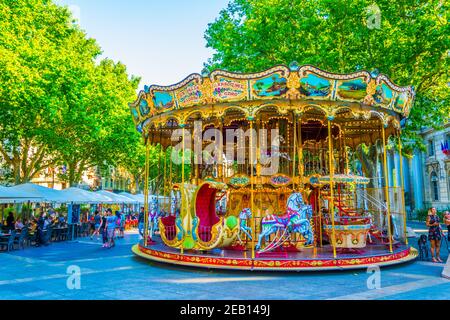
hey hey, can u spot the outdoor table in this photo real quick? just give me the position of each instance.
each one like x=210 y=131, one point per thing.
x=57 y=232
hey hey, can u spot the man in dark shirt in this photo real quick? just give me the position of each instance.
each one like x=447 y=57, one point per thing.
x=40 y=230
x=141 y=222
x=10 y=221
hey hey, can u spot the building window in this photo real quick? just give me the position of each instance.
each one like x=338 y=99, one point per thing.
x=431 y=148
x=434 y=186
x=448 y=184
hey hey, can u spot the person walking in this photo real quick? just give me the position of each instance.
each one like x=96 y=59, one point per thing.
x=103 y=230
x=434 y=235
x=447 y=223
x=111 y=224
x=97 y=223
x=121 y=223
x=141 y=222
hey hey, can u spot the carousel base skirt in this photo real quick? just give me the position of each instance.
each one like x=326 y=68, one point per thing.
x=307 y=259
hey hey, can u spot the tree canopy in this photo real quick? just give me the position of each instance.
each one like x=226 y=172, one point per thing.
x=410 y=44
x=60 y=104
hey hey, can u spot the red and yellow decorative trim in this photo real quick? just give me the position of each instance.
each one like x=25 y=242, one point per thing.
x=274 y=264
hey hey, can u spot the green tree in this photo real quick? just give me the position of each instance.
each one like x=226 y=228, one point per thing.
x=59 y=106
x=32 y=33
x=410 y=45
x=95 y=125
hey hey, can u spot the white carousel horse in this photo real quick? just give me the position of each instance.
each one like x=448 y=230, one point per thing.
x=244 y=216
x=296 y=220
x=153 y=217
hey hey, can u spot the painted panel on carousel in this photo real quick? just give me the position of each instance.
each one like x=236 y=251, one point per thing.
x=355 y=89
x=383 y=94
x=280 y=180
x=315 y=86
x=135 y=114
x=272 y=86
x=401 y=101
x=189 y=95
x=163 y=100
x=239 y=181
x=226 y=89
x=144 y=108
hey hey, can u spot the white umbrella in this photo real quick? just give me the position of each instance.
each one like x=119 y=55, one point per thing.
x=14 y=196
x=41 y=193
x=134 y=197
x=116 y=198
x=79 y=196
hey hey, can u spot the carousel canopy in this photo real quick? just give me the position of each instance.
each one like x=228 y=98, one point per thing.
x=9 y=195
x=296 y=89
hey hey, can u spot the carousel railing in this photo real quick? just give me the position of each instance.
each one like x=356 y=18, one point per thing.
x=170 y=232
x=204 y=233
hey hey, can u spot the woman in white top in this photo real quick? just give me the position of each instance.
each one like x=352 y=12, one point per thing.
x=18 y=225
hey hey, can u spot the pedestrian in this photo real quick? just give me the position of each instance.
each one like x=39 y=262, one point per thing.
x=434 y=234
x=91 y=225
x=111 y=224
x=122 y=221
x=40 y=230
x=104 y=231
x=447 y=223
x=97 y=223
x=141 y=222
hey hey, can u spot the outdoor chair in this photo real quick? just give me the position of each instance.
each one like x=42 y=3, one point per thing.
x=85 y=230
x=22 y=239
x=9 y=242
x=48 y=235
x=32 y=238
x=64 y=235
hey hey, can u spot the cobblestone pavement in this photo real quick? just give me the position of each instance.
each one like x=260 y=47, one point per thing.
x=42 y=273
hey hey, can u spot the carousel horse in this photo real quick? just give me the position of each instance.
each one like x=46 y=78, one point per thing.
x=173 y=204
x=244 y=216
x=153 y=217
x=300 y=223
x=296 y=220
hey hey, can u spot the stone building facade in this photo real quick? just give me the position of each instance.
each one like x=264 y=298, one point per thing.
x=436 y=168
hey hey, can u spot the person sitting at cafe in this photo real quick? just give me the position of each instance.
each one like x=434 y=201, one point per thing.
x=19 y=225
x=47 y=222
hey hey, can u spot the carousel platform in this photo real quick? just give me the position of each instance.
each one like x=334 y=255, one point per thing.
x=308 y=259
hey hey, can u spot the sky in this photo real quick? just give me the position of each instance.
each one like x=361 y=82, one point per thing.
x=161 y=41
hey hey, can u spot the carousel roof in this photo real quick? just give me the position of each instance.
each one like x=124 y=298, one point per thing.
x=297 y=88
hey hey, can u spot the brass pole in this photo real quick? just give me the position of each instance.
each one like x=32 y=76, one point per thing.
x=320 y=217
x=331 y=204
x=252 y=189
x=300 y=154
x=295 y=148
x=182 y=178
x=165 y=174
x=146 y=191
x=386 y=187
x=402 y=185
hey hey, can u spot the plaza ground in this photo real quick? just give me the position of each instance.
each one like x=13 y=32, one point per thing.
x=41 y=273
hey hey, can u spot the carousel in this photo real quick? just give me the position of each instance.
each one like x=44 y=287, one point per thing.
x=274 y=170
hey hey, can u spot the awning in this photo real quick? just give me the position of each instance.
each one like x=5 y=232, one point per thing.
x=7 y=195
x=79 y=196
x=39 y=193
